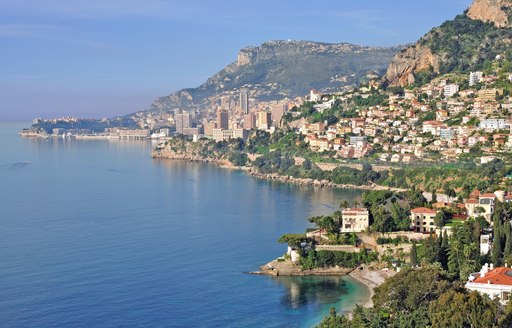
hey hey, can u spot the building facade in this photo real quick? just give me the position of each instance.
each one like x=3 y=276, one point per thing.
x=355 y=220
x=422 y=220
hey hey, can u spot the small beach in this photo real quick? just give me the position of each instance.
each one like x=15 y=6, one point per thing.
x=371 y=279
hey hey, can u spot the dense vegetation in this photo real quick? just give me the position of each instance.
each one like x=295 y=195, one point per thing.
x=465 y=45
x=87 y=125
x=276 y=154
x=424 y=297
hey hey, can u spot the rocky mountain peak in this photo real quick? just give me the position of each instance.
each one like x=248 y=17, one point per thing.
x=494 y=11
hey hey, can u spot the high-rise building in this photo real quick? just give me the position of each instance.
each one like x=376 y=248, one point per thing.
x=208 y=128
x=222 y=120
x=475 y=77
x=244 y=101
x=250 y=121
x=264 y=120
x=277 y=113
x=183 y=121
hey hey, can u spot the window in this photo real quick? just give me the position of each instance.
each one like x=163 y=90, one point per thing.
x=505 y=296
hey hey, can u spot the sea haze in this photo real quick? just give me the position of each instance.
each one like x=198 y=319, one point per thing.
x=98 y=234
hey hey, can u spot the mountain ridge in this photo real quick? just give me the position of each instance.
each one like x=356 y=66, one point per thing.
x=277 y=69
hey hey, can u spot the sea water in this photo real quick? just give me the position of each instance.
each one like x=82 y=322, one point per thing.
x=99 y=234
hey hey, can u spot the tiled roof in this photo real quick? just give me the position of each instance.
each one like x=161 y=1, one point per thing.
x=488 y=195
x=472 y=201
x=498 y=276
x=423 y=210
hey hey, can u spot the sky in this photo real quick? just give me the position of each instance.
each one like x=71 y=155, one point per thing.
x=101 y=58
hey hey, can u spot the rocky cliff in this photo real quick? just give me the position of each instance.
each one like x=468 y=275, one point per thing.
x=462 y=44
x=494 y=11
x=278 y=69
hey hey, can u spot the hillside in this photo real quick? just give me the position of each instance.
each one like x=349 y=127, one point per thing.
x=459 y=45
x=278 y=69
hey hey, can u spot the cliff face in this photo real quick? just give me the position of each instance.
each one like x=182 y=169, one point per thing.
x=408 y=62
x=278 y=69
x=458 y=45
x=494 y=11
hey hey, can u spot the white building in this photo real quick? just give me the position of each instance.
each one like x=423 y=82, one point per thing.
x=221 y=135
x=450 y=90
x=494 y=124
x=492 y=282
x=355 y=220
x=475 y=77
x=485 y=244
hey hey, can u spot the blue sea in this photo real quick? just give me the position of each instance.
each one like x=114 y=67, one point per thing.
x=99 y=234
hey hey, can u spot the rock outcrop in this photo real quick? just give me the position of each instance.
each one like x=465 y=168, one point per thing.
x=408 y=62
x=460 y=44
x=494 y=11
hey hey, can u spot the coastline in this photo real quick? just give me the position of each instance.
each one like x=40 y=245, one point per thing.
x=371 y=279
x=306 y=182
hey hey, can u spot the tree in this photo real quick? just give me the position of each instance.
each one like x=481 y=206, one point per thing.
x=441 y=218
x=410 y=290
x=344 y=204
x=434 y=197
x=293 y=240
x=382 y=220
x=307 y=164
x=459 y=309
x=333 y=320
x=414 y=255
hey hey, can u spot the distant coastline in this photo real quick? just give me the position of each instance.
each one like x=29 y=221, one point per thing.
x=162 y=154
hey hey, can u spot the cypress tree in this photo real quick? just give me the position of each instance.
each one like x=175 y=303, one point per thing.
x=414 y=255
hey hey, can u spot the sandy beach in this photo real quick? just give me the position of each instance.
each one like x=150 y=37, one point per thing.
x=372 y=279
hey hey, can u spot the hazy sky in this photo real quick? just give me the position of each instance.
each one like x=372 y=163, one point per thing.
x=97 y=58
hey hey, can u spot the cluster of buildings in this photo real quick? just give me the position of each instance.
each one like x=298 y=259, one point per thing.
x=439 y=118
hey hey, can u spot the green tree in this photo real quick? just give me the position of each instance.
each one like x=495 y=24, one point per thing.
x=414 y=254
x=333 y=320
x=410 y=290
x=441 y=218
x=459 y=309
x=344 y=204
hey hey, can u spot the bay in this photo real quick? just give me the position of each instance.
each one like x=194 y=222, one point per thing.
x=96 y=233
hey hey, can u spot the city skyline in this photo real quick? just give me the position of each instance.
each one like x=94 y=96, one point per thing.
x=97 y=59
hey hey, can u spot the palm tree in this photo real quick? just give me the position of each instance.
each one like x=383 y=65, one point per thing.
x=356 y=203
x=344 y=204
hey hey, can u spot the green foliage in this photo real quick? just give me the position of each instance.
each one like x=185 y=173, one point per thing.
x=293 y=240
x=328 y=259
x=464 y=250
x=466 y=44
x=455 y=309
x=371 y=100
x=238 y=158
x=394 y=241
x=410 y=289
x=414 y=255
x=334 y=321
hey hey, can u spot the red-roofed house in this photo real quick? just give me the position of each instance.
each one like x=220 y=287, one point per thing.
x=422 y=219
x=492 y=282
x=485 y=202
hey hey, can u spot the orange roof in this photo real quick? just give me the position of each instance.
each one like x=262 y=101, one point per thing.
x=423 y=210
x=489 y=195
x=498 y=276
x=474 y=193
x=471 y=201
